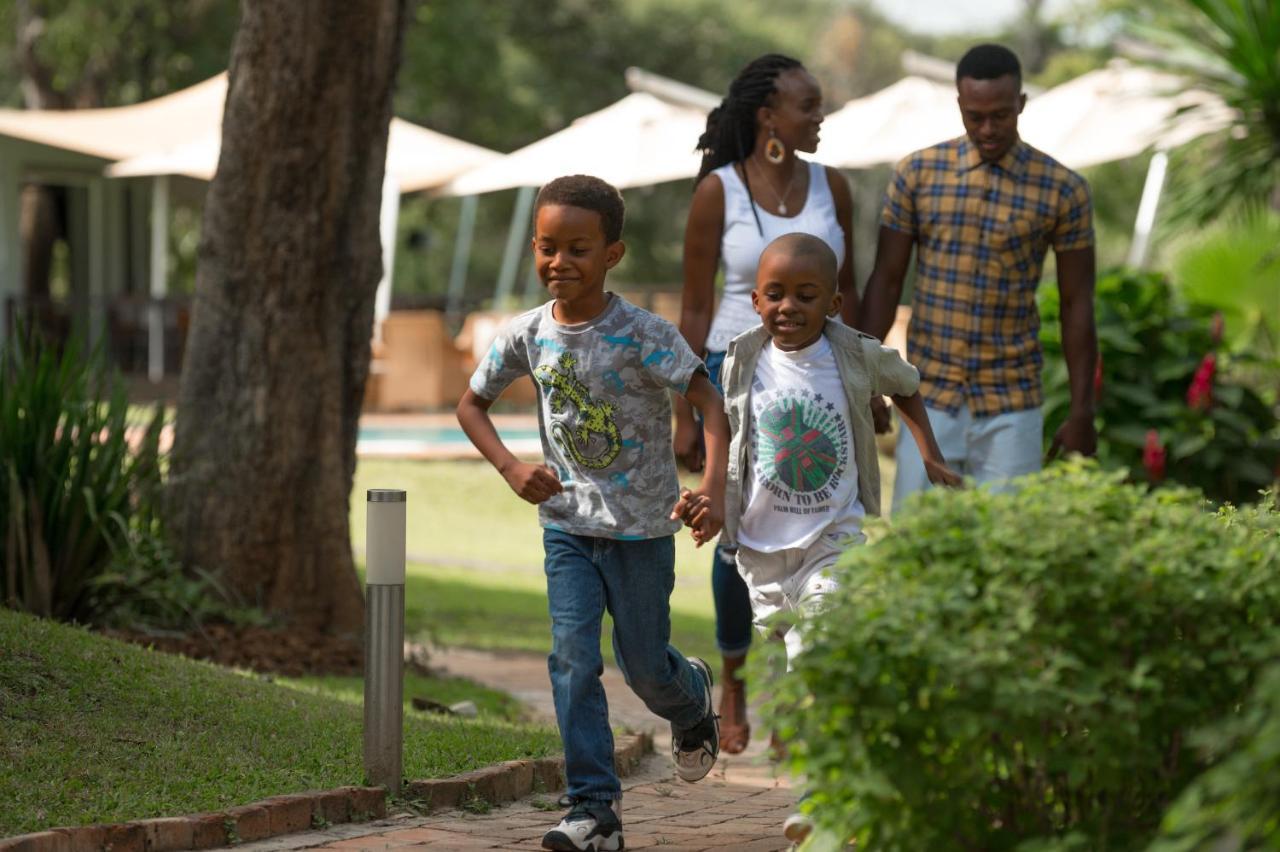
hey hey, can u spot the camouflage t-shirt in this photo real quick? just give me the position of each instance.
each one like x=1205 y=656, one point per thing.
x=603 y=411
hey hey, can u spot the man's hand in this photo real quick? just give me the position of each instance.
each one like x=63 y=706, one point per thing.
x=940 y=474
x=880 y=415
x=1077 y=435
x=687 y=443
x=700 y=512
x=533 y=482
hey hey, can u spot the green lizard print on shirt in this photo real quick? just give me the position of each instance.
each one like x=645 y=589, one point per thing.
x=594 y=418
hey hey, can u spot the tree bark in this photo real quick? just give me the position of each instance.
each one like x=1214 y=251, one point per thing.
x=278 y=350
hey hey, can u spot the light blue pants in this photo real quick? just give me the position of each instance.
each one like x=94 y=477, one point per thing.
x=989 y=449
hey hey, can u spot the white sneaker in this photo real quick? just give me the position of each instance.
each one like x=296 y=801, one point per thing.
x=694 y=751
x=797 y=827
x=590 y=824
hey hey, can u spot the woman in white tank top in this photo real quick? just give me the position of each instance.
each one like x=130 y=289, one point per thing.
x=751 y=189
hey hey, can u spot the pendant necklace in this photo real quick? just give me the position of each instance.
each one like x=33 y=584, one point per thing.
x=782 y=199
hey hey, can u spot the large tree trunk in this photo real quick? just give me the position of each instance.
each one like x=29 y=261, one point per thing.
x=278 y=352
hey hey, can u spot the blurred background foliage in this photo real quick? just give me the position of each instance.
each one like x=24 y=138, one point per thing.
x=498 y=75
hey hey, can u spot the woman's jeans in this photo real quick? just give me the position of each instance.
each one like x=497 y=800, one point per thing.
x=633 y=581
x=733 y=601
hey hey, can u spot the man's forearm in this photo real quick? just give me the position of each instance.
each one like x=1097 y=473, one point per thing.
x=879 y=305
x=1080 y=350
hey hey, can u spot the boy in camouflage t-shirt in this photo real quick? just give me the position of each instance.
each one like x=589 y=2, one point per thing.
x=604 y=368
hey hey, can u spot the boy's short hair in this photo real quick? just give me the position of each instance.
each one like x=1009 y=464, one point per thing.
x=589 y=193
x=988 y=62
x=797 y=244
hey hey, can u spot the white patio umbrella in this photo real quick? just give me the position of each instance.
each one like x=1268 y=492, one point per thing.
x=886 y=126
x=1118 y=112
x=638 y=141
x=417 y=158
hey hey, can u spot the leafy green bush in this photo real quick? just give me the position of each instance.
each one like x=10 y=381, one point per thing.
x=1168 y=403
x=79 y=497
x=1236 y=804
x=1022 y=670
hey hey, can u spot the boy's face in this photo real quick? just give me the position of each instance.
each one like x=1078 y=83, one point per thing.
x=570 y=252
x=794 y=295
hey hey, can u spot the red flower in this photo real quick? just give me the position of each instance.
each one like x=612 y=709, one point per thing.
x=1153 y=456
x=1097 y=379
x=1200 y=392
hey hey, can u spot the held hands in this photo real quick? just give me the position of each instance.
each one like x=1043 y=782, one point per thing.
x=701 y=513
x=940 y=474
x=1076 y=435
x=536 y=483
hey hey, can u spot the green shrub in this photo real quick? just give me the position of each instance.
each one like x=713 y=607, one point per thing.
x=1022 y=670
x=80 y=529
x=1236 y=804
x=1161 y=413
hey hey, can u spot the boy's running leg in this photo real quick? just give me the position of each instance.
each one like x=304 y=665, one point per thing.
x=576 y=599
x=639 y=577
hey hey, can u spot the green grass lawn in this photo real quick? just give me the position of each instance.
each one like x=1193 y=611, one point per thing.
x=95 y=730
x=475 y=560
x=475 y=574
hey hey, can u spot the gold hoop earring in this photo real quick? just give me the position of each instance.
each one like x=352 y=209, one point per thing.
x=774 y=151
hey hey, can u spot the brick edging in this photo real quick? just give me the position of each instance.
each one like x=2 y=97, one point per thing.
x=504 y=782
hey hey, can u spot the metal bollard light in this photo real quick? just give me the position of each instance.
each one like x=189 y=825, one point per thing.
x=384 y=637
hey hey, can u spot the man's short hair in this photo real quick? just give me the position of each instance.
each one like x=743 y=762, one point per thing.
x=798 y=244
x=589 y=193
x=988 y=62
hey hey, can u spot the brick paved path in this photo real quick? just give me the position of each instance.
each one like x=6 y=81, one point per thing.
x=740 y=806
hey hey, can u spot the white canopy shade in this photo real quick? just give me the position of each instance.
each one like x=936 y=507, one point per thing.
x=179 y=134
x=1118 y=112
x=116 y=133
x=886 y=126
x=638 y=141
x=417 y=158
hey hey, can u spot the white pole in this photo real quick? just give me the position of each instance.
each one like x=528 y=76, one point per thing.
x=384 y=637
x=387 y=225
x=514 y=250
x=159 y=276
x=10 y=240
x=1147 y=207
x=461 y=253
x=97 y=260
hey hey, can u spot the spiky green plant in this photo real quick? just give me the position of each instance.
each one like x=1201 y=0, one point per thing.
x=1234 y=267
x=1232 y=49
x=80 y=530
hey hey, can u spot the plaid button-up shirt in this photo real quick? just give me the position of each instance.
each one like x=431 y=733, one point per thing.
x=982 y=231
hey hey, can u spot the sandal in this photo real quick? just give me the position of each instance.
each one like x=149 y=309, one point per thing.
x=735 y=730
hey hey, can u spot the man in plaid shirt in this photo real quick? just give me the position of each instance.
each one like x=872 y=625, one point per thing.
x=982 y=211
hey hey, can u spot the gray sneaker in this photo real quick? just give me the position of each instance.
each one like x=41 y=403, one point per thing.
x=694 y=751
x=589 y=825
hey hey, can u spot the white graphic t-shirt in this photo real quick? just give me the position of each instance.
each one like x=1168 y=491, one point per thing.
x=803 y=475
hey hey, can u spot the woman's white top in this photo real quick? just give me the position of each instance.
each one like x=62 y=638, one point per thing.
x=741 y=245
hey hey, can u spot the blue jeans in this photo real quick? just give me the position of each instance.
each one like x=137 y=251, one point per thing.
x=633 y=581
x=732 y=600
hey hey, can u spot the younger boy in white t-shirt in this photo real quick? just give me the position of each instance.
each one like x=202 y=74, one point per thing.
x=802 y=456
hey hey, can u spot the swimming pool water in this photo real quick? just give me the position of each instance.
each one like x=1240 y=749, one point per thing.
x=436 y=435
